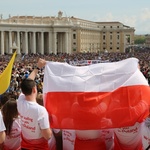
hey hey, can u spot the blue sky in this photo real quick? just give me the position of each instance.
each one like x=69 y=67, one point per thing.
x=135 y=13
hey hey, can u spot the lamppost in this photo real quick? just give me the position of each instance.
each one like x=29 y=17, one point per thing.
x=132 y=47
x=14 y=47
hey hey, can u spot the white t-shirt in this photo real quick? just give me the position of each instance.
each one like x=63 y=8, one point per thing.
x=108 y=135
x=130 y=136
x=34 y=117
x=105 y=134
x=146 y=133
x=13 y=141
x=68 y=137
x=2 y=126
x=52 y=142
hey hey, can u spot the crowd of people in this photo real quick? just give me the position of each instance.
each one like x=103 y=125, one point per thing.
x=25 y=63
x=26 y=87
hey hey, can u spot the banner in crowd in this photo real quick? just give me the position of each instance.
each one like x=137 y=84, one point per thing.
x=5 y=77
x=98 y=96
x=86 y=62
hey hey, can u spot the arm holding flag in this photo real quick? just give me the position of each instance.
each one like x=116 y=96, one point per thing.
x=39 y=118
x=41 y=63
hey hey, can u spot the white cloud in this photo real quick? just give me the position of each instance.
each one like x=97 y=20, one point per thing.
x=145 y=14
x=143 y=21
x=140 y=21
x=131 y=21
x=107 y=17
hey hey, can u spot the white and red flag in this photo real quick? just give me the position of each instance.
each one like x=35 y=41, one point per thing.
x=98 y=96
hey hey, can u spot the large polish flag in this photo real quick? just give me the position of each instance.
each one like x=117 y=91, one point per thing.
x=98 y=96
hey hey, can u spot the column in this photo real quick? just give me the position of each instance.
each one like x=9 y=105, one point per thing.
x=2 y=42
x=6 y=39
x=18 y=42
x=69 y=43
x=26 y=42
x=66 y=43
x=34 y=44
x=37 y=42
x=63 y=43
x=50 y=42
x=60 y=47
x=42 y=43
x=10 y=43
x=59 y=43
x=29 y=42
x=54 y=43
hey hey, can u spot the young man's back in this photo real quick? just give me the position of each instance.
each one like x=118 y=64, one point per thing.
x=34 y=118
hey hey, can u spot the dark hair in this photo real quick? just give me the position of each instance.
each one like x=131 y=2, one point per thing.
x=9 y=112
x=4 y=98
x=27 y=86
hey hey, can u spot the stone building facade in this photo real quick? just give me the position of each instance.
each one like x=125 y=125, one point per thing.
x=30 y=34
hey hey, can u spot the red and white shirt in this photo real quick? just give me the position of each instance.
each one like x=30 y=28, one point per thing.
x=13 y=141
x=34 y=117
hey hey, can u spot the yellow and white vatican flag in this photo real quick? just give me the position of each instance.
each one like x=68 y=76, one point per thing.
x=5 y=77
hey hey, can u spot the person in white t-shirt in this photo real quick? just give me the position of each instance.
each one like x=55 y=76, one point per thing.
x=34 y=118
x=89 y=140
x=68 y=137
x=12 y=124
x=2 y=129
x=52 y=140
x=128 y=138
x=146 y=133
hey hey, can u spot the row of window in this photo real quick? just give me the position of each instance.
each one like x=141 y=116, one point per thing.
x=111 y=37
x=110 y=26
x=104 y=37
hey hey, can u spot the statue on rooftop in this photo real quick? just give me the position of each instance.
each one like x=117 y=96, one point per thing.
x=60 y=13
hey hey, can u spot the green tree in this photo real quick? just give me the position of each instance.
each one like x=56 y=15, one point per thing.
x=139 y=39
